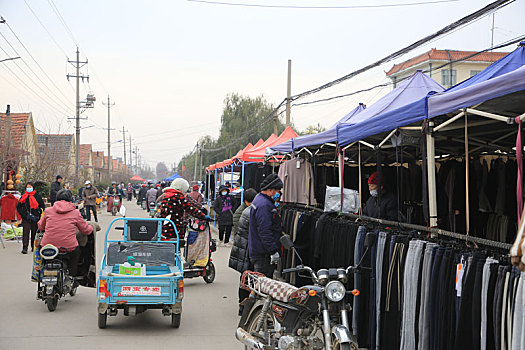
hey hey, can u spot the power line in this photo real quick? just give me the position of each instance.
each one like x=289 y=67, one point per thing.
x=61 y=19
x=451 y=27
x=34 y=60
x=320 y=7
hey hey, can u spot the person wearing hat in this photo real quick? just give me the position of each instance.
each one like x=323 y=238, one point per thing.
x=223 y=207
x=55 y=187
x=142 y=194
x=89 y=196
x=265 y=227
x=380 y=208
x=175 y=204
x=195 y=194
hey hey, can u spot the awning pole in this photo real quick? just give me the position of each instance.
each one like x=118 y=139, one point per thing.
x=214 y=195
x=242 y=183
x=341 y=176
x=360 y=180
x=209 y=187
x=450 y=121
x=431 y=175
x=467 y=161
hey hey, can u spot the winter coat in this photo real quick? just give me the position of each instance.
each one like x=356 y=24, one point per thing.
x=55 y=187
x=151 y=195
x=89 y=195
x=24 y=209
x=265 y=227
x=142 y=193
x=388 y=208
x=175 y=206
x=117 y=191
x=239 y=255
x=223 y=207
x=60 y=223
x=196 y=196
x=236 y=217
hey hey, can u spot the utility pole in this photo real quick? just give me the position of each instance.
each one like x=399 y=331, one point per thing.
x=77 y=64
x=130 y=155
x=109 y=104
x=124 y=138
x=288 y=93
x=136 y=160
x=200 y=168
x=196 y=158
x=275 y=123
x=492 y=30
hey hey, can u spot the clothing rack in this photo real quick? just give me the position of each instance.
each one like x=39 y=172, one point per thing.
x=438 y=231
x=18 y=239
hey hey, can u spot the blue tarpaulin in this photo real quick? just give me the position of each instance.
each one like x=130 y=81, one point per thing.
x=399 y=107
x=172 y=177
x=321 y=138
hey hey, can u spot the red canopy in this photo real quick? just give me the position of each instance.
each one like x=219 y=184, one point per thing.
x=136 y=178
x=256 y=154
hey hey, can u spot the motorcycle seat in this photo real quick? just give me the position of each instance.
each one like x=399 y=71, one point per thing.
x=280 y=291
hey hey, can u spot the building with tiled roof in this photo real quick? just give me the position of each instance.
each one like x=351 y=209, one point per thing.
x=99 y=166
x=447 y=67
x=86 y=161
x=59 y=150
x=18 y=145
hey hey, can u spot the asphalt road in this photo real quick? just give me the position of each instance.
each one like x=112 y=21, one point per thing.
x=209 y=316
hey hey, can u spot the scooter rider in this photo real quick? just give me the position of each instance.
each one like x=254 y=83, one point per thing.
x=59 y=224
x=142 y=193
x=114 y=190
x=265 y=227
x=129 y=191
x=151 y=196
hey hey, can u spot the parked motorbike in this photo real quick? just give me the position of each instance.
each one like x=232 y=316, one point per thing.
x=54 y=281
x=280 y=316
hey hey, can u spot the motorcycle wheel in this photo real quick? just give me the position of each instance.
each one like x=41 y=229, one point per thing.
x=251 y=325
x=210 y=273
x=175 y=320
x=343 y=347
x=102 y=320
x=113 y=212
x=52 y=304
x=73 y=291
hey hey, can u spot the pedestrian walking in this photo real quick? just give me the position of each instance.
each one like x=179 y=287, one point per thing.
x=195 y=194
x=30 y=208
x=89 y=195
x=55 y=187
x=224 y=210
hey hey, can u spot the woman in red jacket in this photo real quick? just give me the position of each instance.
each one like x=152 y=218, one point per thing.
x=60 y=224
x=30 y=208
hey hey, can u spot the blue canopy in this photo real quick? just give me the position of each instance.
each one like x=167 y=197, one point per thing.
x=326 y=136
x=397 y=108
x=505 y=76
x=172 y=177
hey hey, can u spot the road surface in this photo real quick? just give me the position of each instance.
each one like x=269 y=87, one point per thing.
x=209 y=316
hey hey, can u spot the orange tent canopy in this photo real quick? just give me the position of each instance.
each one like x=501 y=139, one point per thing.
x=259 y=153
x=136 y=178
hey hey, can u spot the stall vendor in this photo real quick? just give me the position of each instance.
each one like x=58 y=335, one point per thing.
x=380 y=208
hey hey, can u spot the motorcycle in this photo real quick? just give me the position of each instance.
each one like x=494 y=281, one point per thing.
x=152 y=209
x=54 y=281
x=116 y=203
x=280 y=316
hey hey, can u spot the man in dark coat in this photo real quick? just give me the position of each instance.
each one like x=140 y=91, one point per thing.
x=265 y=227
x=239 y=256
x=380 y=208
x=223 y=207
x=55 y=187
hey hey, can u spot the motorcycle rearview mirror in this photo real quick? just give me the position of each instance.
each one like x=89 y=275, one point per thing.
x=370 y=239
x=286 y=242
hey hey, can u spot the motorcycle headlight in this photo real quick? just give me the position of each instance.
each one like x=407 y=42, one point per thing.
x=335 y=291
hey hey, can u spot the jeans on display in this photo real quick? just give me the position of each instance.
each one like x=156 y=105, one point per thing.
x=518 y=329
x=484 y=300
x=381 y=240
x=433 y=308
x=424 y=309
x=358 y=249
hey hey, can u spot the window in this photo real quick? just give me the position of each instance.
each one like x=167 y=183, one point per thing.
x=474 y=72
x=448 y=79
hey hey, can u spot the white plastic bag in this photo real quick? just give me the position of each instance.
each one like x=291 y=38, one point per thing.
x=333 y=200
x=122 y=210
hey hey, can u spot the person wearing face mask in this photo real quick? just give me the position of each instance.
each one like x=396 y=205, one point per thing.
x=30 y=207
x=223 y=207
x=265 y=227
x=89 y=196
x=380 y=208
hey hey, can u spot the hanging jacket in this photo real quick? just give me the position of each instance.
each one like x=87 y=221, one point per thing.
x=239 y=255
x=24 y=209
x=60 y=224
x=265 y=227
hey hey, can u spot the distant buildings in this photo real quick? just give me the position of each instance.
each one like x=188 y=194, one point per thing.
x=441 y=66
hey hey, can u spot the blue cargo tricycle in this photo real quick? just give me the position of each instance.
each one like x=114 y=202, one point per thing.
x=140 y=272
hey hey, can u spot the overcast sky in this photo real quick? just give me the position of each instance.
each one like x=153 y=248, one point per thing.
x=168 y=65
